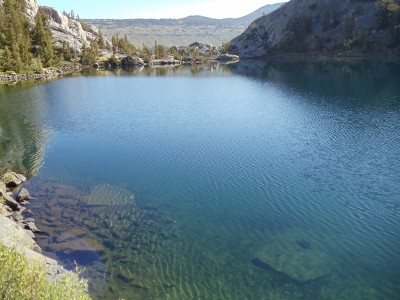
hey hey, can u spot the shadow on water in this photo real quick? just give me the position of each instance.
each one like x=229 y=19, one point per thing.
x=364 y=80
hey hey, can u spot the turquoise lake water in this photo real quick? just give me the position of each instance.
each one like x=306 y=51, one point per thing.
x=258 y=180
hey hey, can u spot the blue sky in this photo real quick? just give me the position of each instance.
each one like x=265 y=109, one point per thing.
x=119 y=9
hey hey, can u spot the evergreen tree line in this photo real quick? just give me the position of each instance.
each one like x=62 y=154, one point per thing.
x=26 y=47
x=23 y=47
x=125 y=46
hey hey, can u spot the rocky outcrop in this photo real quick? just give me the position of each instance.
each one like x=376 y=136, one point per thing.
x=68 y=30
x=132 y=62
x=18 y=232
x=12 y=235
x=310 y=26
x=32 y=9
x=12 y=179
x=224 y=58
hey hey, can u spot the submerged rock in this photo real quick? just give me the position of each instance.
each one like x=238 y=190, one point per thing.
x=112 y=196
x=294 y=258
x=303 y=244
x=71 y=234
x=78 y=245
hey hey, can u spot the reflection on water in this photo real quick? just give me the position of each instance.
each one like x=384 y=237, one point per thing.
x=22 y=140
x=258 y=180
x=329 y=78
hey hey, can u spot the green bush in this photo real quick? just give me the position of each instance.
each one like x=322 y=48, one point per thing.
x=22 y=280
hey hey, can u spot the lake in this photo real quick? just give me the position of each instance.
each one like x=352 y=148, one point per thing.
x=257 y=180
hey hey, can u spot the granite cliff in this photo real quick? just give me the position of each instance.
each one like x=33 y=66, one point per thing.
x=68 y=30
x=325 y=26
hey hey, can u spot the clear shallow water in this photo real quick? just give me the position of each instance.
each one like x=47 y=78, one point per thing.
x=174 y=184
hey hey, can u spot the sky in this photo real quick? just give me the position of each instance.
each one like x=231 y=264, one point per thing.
x=156 y=9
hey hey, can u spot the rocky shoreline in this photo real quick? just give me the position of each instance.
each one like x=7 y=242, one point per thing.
x=46 y=74
x=16 y=230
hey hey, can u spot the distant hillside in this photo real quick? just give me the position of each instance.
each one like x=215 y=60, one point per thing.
x=179 y=32
x=324 y=26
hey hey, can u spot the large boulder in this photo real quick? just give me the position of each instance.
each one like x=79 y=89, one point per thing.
x=130 y=62
x=12 y=179
x=10 y=202
x=23 y=195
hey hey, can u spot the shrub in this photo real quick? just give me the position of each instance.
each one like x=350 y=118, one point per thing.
x=22 y=280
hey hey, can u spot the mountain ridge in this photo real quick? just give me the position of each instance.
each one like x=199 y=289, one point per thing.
x=179 y=32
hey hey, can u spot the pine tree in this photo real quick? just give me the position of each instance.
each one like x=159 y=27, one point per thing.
x=114 y=42
x=42 y=39
x=89 y=55
x=14 y=32
x=66 y=51
x=145 y=53
x=102 y=43
x=7 y=58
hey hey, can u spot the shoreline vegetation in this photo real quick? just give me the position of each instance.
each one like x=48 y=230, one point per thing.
x=31 y=48
x=25 y=272
x=11 y=77
x=126 y=62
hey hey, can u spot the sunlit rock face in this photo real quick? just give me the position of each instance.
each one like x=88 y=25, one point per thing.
x=32 y=9
x=68 y=30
